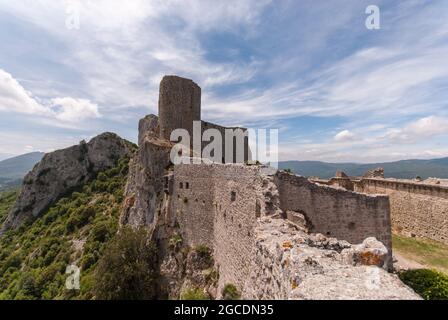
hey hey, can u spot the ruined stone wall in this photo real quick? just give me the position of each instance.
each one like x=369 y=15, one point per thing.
x=416 y=209
x=290 y=264
x=179 y=105
x=335 y=212
x=246 y=152
x=237 y=192
x=192 y=203
x=219 y=206
x=220 y=212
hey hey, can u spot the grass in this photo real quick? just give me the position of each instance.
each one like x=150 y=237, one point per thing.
x=432 y=254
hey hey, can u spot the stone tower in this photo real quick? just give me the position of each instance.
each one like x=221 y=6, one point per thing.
x=179 y=105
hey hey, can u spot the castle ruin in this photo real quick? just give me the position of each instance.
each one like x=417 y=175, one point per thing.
x=418 y=208
x=228 y=207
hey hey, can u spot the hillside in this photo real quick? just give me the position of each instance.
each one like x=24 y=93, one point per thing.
x=75 y=230
x=404 y=169
x=13 y=170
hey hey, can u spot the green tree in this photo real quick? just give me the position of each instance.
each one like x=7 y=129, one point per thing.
x=127 y=269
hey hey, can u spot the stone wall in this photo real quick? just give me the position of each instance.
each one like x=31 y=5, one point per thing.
x=237 y=192
x=416 y=209
x=179 y=105
x=192 y=203
x=288 y=263
x=336 y=212
x=219 y=205
x=216 y=205
x=246 y=154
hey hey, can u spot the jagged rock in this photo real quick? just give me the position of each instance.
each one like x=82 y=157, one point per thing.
x=374 y=173
x=62 y=171
x=320 y=241
x=288 y=263
x=340 y=174
x=143 y=192
x=370 y=252
x=148 y=126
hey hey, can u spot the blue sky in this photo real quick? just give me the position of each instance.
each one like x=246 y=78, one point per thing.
x=335 y=90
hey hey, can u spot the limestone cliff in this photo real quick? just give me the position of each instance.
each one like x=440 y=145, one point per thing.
x=62 y=171
x=143 y=191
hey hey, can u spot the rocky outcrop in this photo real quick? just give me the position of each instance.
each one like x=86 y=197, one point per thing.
x=340 y=174
x=62 y=171
x=288 y=263
x=144 y=189
x=374 y=173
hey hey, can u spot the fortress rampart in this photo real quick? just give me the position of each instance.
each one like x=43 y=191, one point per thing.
x=219 y=205
x=417 y=209
x=336 y=212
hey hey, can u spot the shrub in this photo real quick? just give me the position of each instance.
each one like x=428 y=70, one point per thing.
x=202 y=250
x=211 y=275
x=175 y=241
x=101 y=231
x=87 y=261
x=429 y=284
x=194 y=294
x=230 y=292
x=127 y=269
x=205 y=254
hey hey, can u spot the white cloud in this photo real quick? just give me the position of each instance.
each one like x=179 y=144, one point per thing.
x=75 y=109
x=344 y=136
x=420 y=129
x=15 y=99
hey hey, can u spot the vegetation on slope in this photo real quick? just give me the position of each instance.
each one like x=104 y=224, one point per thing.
x=429 y=253
x=127 y=269
x=429 y=284
x=75 y=230
x=7 y=200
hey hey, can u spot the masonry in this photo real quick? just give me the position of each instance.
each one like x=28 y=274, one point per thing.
x=180 y=107
x=417 y=209
x=218 y=206
x=336 y=212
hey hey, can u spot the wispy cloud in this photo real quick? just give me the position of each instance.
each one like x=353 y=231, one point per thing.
x=258 y=62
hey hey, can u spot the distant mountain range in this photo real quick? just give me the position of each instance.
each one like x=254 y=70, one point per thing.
x=403 y=169
x=13 y=170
